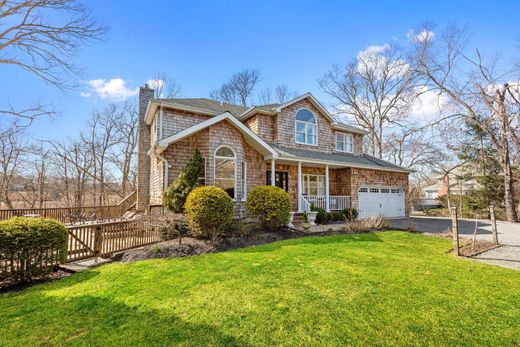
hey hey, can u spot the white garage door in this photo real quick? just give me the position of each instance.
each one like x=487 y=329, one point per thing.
x=381 y=201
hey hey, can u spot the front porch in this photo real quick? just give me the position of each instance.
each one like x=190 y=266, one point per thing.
x=310 y=184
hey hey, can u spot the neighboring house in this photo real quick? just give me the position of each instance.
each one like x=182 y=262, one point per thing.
x=461 y=180
x=297 y=146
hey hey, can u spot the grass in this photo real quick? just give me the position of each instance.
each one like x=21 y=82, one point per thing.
x=388 y=288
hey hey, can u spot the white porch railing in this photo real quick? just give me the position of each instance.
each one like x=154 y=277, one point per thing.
x=336 y=202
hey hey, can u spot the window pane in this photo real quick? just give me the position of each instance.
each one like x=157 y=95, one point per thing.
x=225 y=168
x=311 y=140
x=339 y=146
x=300 y=137
x=305 y=115
x=225 y=152
x=227 y=185
x=300 y=127
x=339 y=137
x=311 y=129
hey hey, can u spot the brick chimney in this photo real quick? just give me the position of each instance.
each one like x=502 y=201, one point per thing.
x=143 y=160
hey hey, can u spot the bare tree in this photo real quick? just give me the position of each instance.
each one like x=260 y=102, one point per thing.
x=12 y=150
x=238 y=89
x=476 y=89
x=164 y=86
x=281 y=95
x=414 y=147
x=103 y=137
x=42 y=36
x=376 y=89
x=124 y=156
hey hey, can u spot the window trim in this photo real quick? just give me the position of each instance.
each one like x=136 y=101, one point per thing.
x=243 y=180
x=306 y=123
x=215 y=157
x=344 y=142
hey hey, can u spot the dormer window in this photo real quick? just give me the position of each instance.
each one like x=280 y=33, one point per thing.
x=305 y=127
x=344 y=142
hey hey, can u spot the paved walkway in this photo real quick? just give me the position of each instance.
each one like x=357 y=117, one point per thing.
x=508 y=233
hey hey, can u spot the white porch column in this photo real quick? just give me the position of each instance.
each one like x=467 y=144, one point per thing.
x=300 y=188
x=327 y=187
x=273 y=172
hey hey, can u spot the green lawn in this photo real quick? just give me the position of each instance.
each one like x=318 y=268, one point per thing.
x=388 y=288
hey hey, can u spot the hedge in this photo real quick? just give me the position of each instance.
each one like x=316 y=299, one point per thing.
x=31 y=247
x=209 y=210
x=270 y=204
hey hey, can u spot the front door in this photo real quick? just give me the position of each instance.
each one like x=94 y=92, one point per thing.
x=281 y=179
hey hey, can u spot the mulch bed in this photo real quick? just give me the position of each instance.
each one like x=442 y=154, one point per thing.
x=10 y=285
x=190 y=246
x=470 y=248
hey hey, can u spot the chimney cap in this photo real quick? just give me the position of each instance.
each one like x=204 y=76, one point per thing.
x=146 y=86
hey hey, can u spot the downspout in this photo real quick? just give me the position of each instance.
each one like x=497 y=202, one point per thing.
x=161 y=121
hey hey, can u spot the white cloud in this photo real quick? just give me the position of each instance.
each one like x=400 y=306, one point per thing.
x=114 y=88
x=428 y=106
x=422 y=36
x=85 y=94
x=373 y=50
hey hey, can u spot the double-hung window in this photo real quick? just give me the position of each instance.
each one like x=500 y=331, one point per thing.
x=225 y=170
x=306 y=128
x=344 y=142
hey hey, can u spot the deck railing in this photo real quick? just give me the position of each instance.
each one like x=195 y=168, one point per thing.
x=74 y=215
x=105 y=239
x=336 y=202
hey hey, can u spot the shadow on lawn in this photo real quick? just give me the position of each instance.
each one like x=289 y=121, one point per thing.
x=91 y=320
x=314 y=239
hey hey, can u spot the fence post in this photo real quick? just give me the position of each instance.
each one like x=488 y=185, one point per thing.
x=455 y=229
x=493 y=223
x=97 y=241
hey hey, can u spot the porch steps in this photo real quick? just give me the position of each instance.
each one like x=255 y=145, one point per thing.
x=298 y=220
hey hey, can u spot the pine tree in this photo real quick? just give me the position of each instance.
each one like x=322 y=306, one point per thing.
x=479 y=153
x=175 y=195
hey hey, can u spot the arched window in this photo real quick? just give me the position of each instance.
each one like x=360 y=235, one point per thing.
x=305 y=127
x=225 y=170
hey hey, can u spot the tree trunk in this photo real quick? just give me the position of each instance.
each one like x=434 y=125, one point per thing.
x=509 y=193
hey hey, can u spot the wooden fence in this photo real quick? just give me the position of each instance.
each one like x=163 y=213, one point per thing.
x=105 y=239
x=74 y=215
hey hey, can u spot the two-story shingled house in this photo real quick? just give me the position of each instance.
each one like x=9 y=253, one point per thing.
x=297 y=146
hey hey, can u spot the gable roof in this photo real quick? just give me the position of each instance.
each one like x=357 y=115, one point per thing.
x=210 y=107
x=254 y=140
x=206 y=104
x=346 y=159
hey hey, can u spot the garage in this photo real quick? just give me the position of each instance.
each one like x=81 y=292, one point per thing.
x=381 y=201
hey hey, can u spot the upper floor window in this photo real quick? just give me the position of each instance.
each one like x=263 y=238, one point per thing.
x=344 y=142
x=305 y=127
x=225 y=170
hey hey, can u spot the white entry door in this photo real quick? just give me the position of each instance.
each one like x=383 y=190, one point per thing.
x=381 y=201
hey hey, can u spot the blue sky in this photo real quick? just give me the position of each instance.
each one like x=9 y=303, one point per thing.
x=201 y=43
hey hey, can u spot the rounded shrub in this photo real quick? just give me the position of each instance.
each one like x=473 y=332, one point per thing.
x=270 y=204
x=31 y=247
x=209 y=210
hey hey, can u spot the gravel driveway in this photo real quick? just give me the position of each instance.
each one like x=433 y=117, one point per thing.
x=508 y=233
x=507 y=255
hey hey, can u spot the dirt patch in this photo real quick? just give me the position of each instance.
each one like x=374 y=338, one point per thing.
x=471 y=248
x=10 y=285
